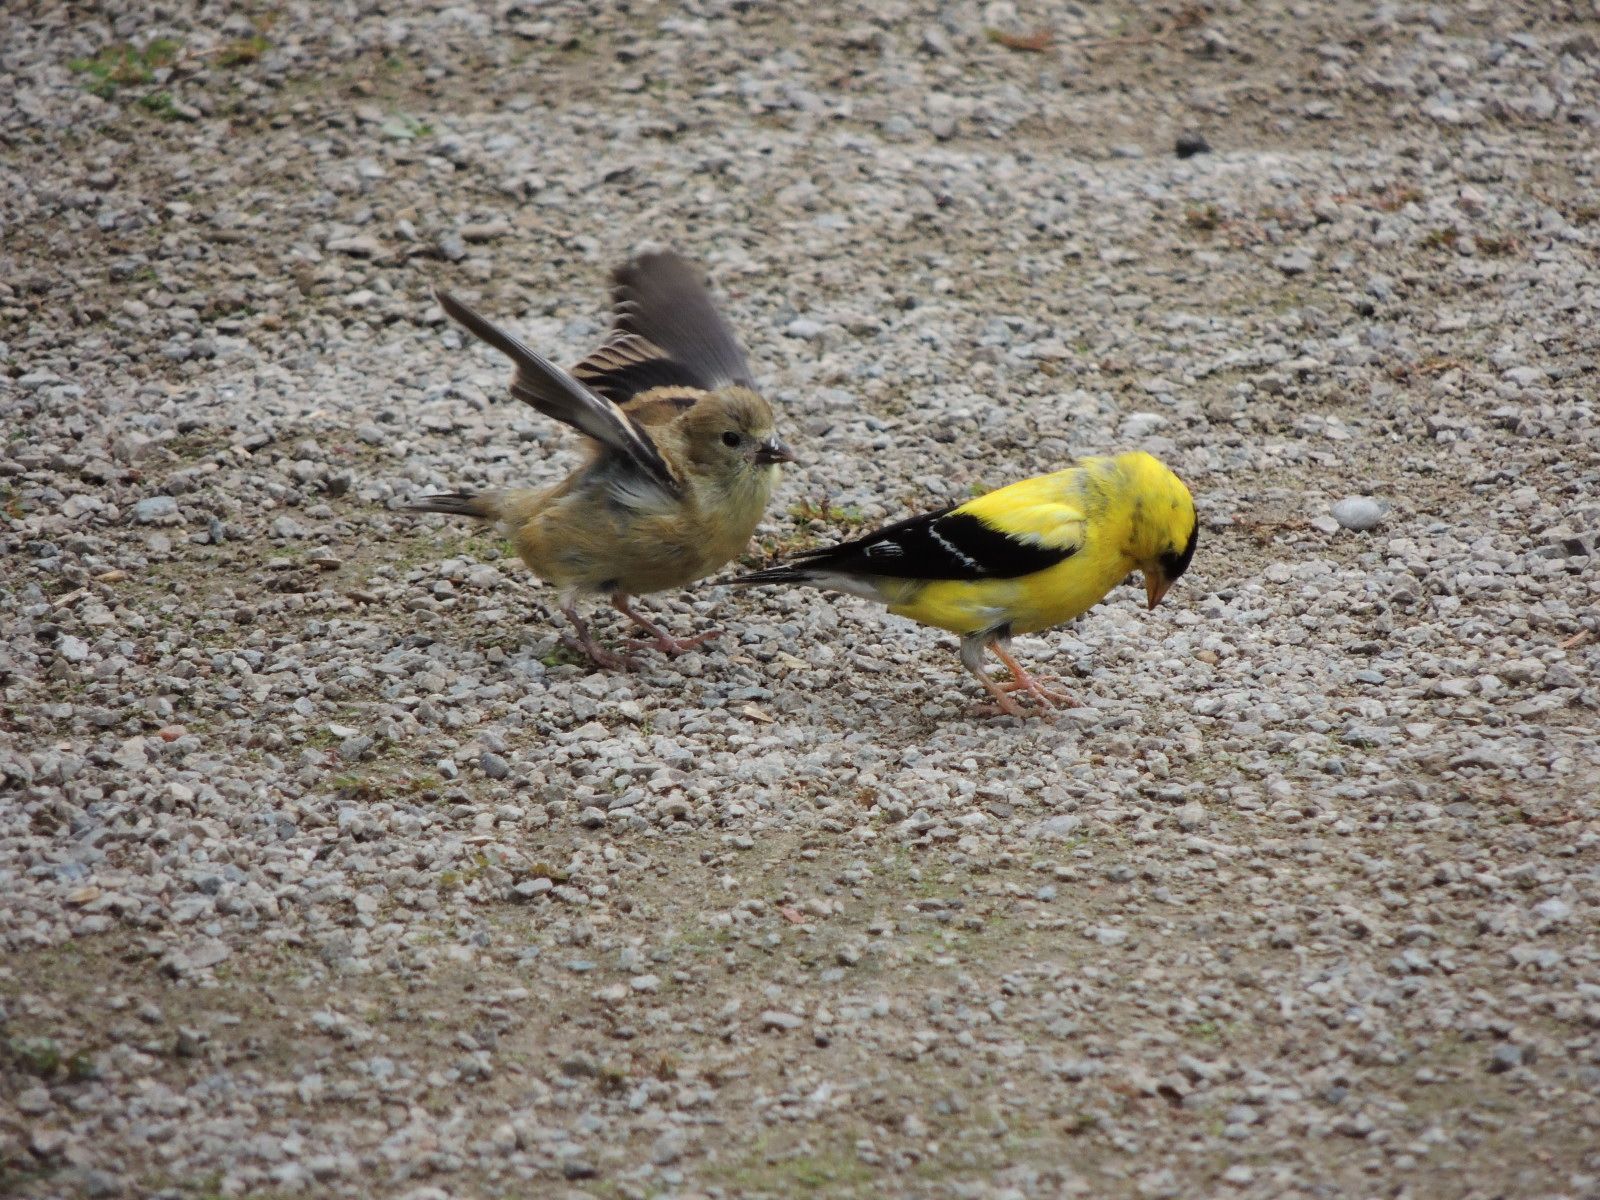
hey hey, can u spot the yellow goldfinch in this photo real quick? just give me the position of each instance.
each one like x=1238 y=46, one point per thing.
x=1023 y=558
x=682 y=461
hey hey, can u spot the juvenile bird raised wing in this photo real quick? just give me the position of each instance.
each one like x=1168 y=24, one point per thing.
x=666 y=333
x=555 y=393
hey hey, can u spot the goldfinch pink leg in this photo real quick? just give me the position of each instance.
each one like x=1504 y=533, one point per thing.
x=664 y=641
x=972 y=649
x=1007 y=705
x=584 y=644
x=1022 y=681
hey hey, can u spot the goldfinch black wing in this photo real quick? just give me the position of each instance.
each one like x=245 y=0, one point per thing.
x=959 y=544
x=552 y=391
x=666 y=333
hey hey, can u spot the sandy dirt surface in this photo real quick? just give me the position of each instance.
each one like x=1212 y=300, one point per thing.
x=324 y=870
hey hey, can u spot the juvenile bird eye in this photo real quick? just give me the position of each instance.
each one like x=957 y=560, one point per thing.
x=730 y=438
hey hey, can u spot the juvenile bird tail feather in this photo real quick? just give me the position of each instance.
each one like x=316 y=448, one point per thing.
x=482 y=505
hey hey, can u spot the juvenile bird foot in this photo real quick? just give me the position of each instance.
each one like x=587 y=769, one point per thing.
x=660 y=639
x=581 y=642
x=606 y=660
x=671 y=646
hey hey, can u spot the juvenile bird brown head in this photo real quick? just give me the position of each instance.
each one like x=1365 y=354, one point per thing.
x=731 y=433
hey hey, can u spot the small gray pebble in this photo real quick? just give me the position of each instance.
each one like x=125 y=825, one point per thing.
x=669 y=1147
x=33 y=1101
x=1553 y=909
x=156 y=510
x=1506 y=1057
x=453 y=246
x=1295 y=262
x=1358 y=513
x=1062 y=825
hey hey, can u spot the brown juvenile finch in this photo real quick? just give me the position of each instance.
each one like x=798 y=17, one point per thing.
x=682 y=453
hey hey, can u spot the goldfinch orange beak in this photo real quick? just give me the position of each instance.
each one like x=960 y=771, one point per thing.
x=774 y=451
x=1155 y=587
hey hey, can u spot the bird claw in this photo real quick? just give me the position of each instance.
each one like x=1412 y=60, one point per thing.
x=1003 y=706
x=1021 y=681
x=671 y=646
x=1049 y=697
x=605 y=659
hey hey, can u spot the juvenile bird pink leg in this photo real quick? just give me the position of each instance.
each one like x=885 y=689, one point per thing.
x=664 y=641
x=1022 y=681
x=584 y=644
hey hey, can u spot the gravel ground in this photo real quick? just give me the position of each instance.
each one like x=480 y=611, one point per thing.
x=324 y=871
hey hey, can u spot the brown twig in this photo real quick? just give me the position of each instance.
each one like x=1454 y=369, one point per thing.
x=1191 y=17
x=1264 y=531
x=1037 y=42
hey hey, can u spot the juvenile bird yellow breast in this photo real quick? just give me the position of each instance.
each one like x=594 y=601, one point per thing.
x=577 y=539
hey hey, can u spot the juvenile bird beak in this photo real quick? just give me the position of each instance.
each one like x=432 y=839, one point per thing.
x=1155 y=587
x=774 y=451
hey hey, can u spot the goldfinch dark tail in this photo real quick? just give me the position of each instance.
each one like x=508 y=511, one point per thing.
x=458 y=504
x=774 y=575
x=820 y=576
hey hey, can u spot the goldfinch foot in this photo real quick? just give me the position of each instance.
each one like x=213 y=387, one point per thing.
x=1022 y=681
x=1003 y=706
x=1048 y=697
x=1009 y=707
